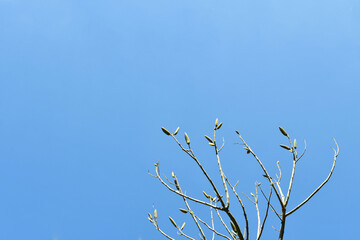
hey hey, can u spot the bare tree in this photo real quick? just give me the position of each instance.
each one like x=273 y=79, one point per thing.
x=220 y=206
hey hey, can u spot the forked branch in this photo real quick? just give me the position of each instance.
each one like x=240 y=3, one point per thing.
x=336 y=154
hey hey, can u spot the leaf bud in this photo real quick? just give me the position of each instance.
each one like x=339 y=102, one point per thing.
x=177 y=184
x=182 y=227
x=183 y=210
x=187 y=139
x=286 y=147
x=165 y=131
x=206 y=195
x=208 y=138
x=172 y=221
x=283 y=131
x=176 y=131
x=155 y=213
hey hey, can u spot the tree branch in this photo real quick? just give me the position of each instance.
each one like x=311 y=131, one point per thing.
x=177 y=192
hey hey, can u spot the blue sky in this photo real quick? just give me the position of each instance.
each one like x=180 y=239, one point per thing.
x=86 y=86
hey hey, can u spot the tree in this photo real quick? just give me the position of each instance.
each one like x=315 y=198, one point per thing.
x=220 y=204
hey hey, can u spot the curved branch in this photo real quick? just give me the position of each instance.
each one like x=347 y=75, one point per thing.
x=302 y=153
x=336 y=154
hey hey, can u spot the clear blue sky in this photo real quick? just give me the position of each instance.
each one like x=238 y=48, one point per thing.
x=86 y=85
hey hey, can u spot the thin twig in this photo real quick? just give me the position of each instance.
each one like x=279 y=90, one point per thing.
x=248 y=198
x=222 y=144
x=212 y=229
x=268 y=200
x=226 y=227
x=266 y=214
x=242 y=206
x=303 y=152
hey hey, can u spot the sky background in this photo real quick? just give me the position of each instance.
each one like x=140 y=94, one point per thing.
x=86 y=85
